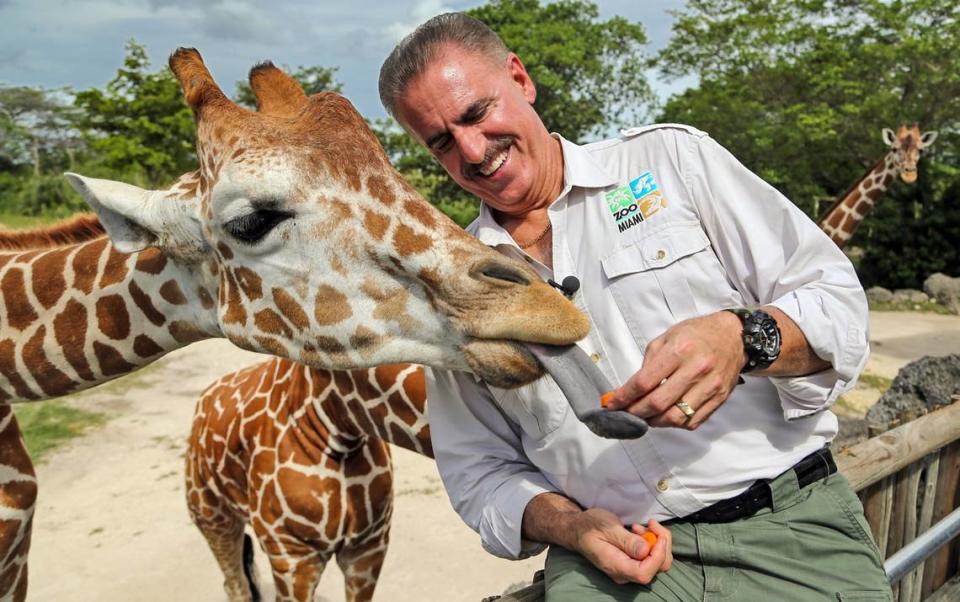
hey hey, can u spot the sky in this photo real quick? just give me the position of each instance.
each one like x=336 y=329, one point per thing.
x=80 y=43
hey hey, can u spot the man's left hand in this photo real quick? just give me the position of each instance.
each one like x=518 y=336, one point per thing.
x=696 y=361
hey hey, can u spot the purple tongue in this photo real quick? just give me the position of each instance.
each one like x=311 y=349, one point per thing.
x=582 y=384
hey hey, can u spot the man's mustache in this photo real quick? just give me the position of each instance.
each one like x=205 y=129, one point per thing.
x=494 y=148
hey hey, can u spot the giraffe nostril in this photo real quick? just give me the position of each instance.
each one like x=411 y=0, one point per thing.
x=495 y=270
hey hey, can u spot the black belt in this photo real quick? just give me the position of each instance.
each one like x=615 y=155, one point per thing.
x=814 y=467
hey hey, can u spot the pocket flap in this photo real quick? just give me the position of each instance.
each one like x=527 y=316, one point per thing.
x=658 y=249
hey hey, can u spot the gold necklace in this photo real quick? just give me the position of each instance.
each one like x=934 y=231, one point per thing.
x=539 y=237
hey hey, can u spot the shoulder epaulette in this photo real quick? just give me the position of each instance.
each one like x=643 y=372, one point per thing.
x=643 y=129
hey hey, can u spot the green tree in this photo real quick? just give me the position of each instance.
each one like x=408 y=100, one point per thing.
x=35 y=128
x=313 y=79
x=138 y=128
x=37 y=142
x=589 y=77
x=799 y=90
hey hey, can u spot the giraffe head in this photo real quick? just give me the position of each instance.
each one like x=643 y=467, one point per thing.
x=906 y=146
x=322 y=252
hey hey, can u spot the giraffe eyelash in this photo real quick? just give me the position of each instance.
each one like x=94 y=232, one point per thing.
x=251 y=228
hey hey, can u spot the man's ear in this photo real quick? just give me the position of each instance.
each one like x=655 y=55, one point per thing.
x=518 y=72
x=123 y=209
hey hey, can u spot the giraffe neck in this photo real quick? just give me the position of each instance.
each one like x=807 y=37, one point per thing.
x=845 y=215
x=75 y=316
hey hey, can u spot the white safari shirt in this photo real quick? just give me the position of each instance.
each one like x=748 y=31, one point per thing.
x=660 y=225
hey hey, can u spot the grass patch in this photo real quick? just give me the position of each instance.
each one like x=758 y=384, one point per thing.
x=929 y=307
x=47 y=425
x=874 y=381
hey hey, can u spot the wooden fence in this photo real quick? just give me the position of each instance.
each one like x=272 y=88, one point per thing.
x=908 y=479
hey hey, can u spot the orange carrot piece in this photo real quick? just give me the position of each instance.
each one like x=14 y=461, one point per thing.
x=650 y=537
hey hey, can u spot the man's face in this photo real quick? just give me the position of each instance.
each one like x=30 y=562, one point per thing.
x=477 y=119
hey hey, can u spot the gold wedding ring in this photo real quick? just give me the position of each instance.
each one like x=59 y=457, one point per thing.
x=685 y=408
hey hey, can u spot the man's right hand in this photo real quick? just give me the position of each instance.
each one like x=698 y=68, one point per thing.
x=620 y=553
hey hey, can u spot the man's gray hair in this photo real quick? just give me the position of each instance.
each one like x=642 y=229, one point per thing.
x=414 y=52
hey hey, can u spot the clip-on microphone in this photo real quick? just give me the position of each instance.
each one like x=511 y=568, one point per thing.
x=569 y=286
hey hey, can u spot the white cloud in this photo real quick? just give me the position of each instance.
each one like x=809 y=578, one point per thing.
x=237 y=21
x=422 y=10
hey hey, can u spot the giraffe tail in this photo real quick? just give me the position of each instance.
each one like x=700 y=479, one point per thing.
x=249 y=570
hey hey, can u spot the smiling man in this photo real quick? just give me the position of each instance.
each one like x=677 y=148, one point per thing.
x=693 y=271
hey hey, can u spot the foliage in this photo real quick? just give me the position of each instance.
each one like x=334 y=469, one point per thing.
x=589 y=73
x=35 y=128
x=313 y=79
x=138 y=126
x=37 y=142
x=799 y=90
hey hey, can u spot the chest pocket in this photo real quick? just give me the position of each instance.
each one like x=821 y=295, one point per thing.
x=659 y=270
x=539 y=407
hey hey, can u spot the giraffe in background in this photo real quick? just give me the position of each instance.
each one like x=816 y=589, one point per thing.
x=843 y=217
x=300 y=455
x=296 y=237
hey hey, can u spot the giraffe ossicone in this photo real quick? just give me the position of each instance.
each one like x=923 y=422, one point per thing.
x=323 y=254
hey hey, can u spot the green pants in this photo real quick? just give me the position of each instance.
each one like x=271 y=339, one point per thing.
x=814 y=544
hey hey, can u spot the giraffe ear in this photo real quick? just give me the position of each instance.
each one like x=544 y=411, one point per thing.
x=123 y=209
x=927 y=139
x=889 y=138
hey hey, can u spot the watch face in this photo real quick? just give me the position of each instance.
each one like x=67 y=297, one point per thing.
x=769 y=339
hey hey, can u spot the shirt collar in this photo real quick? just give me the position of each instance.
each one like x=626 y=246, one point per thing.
x=580 y=170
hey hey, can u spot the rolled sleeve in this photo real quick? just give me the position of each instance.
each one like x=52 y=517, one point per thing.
x=481 y=462
x=777 y=256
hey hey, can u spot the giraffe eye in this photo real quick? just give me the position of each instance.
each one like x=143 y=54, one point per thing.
x=252 y=227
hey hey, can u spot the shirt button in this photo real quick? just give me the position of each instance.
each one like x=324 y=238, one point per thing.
x=661 y=253
x=662 y=485
x=595 y=357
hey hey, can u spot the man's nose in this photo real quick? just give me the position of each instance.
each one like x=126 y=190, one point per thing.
x=473 y=145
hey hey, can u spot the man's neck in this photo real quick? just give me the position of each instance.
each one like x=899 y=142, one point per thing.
x=533 y=223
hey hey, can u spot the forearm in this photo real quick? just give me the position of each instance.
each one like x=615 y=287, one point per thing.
x=796 y=356
x=549 y=518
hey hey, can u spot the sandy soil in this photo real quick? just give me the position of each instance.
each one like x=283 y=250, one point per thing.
x=112 y=525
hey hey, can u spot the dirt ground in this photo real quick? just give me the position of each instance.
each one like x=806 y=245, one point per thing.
x=111 y=523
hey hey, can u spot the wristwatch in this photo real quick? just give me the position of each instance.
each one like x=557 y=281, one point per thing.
x=761 y=338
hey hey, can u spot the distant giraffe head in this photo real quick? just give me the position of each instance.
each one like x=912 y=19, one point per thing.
x=323 y=253
x=906 y=146
x=840 y=221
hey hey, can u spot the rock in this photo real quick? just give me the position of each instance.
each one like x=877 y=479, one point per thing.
x=878 y=294
x=909 y=295
x=945 y=290
x=852 y=431
x=919 y=387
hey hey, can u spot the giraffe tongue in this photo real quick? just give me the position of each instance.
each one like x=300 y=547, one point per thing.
x=582 y=384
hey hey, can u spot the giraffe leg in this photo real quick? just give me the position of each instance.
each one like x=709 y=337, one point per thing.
x=18 y=497
x=296 y=571
x=361 y=565
x=223 y=530
x=234 y=553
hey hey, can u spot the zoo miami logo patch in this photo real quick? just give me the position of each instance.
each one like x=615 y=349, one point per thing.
x=636 y=202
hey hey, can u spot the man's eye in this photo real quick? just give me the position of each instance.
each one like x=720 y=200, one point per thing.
x=443 y=145
x=252 y=227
